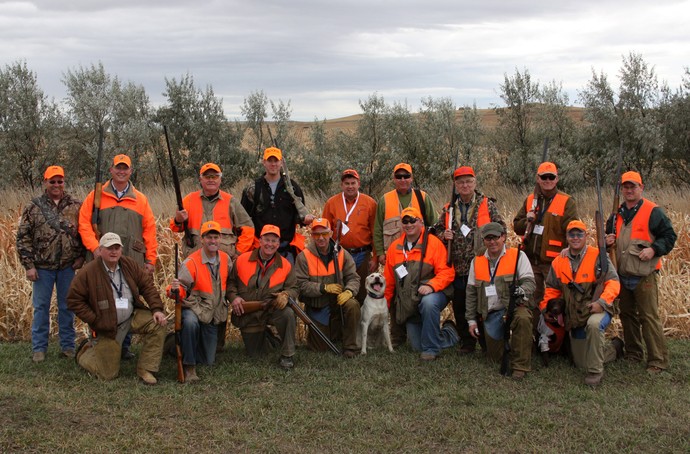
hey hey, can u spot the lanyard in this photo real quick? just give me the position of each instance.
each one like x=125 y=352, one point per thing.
x=118 y=290
x=493 y=275
x=348 y=213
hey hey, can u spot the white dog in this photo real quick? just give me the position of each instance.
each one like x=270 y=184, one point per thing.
x=375 y=311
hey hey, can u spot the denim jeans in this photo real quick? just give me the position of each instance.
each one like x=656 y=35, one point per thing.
x=42 y=294
x=427 y=336
x=198 y=340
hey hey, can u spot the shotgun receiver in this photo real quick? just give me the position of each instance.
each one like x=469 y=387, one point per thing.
x=188 y=239
x=98 y=186
x=312 y=326
x=178 y=324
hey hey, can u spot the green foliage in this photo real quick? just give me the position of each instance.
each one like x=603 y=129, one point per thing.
x=675 y=118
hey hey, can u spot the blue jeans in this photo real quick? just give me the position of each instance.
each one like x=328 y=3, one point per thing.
x=198 y=340
x=360 y=257
x=427 y=336
x=42 y=293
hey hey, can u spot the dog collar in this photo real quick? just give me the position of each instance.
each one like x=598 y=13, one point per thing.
x=373 y=295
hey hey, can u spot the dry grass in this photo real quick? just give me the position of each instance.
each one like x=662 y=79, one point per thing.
x=16 y=310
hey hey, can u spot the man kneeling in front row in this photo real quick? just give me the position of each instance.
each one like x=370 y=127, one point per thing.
x=106 y=296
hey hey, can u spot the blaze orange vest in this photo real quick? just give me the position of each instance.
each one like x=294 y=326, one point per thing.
x=506 y=266
x=221 y=211
x=640 y=224
x=246 y=269
x=585 y=272
x=202 y=280
x=393 y=204
x=483 y=216
x=316 y=266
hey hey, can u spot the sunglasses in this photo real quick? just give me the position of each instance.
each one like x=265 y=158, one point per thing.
x=320 y=234
x=491 y=238
x=56 y=181
x=409 y=221
x=212 y=176
x=577 y=234
x=402 y=176
x=548 y=176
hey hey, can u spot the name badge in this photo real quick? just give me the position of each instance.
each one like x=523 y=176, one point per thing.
x=490 y=290
x=465 y=230
x=344 y=229
x=401 y=271
x=538 y=229
x=121 y=303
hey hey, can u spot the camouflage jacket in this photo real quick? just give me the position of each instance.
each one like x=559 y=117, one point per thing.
x=465 y=248
x=47 y=236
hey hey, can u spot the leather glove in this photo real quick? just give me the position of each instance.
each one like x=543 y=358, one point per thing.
x=280 y=300
x=335 y=289
x=344 y=297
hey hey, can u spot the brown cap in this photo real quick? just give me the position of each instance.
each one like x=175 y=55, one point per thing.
x=321 y=222
x=349 y=173
x=122 y=159
x=273 y=152
x=403 y=166
x=547 y=167
x=110 y=239
x=631 y=177
x=412 y=212
x=210 y=226
x=53 y=171
x=576 y=224
x=209 y=166
x=463 y=171
x=492 y=228
x=270 y=229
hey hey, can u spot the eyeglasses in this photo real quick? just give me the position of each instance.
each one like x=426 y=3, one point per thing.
x=402 y=176
x=58 y=182
x=212 y=176
x=320 y=234
x=491 y=238
x=548 y=176
x=577 y=234
x=409 y=221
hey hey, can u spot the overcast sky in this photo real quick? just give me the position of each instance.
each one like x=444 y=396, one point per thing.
x=324 y=56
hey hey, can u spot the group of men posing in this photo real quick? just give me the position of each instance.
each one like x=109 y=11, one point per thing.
x=245 y=257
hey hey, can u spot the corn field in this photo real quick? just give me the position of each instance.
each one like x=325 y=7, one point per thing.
x=16 y=307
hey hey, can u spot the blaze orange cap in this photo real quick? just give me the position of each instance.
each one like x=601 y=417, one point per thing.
x=547 y=167
x=576 y=224
x=349 y=173
x=122 y=159
x=403 y=166
x=321 y=222
x=270 y=229
x=463 y=171
x=209 y=166
x=273 y=152
x=53 y=171
x=412 y=212
x=632 y=177
x=210 y=226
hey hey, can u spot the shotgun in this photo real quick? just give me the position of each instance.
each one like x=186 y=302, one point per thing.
x=98 y=186
x=508 y=319
x=611 y=224
x=602 y=261
x=336 y=267
x=537 y=198
x=451 y=207
x=178 y=324
x=188 y=239
x=254 y=306
x=312 y=326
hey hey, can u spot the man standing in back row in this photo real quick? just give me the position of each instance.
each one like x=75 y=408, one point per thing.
x=388 y=225
x=643 y=233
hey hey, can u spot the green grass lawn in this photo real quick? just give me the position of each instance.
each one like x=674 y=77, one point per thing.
x=381 y=402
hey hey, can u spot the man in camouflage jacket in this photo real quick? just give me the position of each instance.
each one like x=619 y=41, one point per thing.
x=50 y=250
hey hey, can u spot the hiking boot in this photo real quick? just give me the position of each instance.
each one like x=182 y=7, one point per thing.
x=350 y=353
x=518 y=374
x=593 y=379
x=38 y=357
x=286 y=362
x=146 y=377
x=190 y=375
x=127 y=355
x=466 y=350
x=69 y=353
x=619 y=345
x=427 y=357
